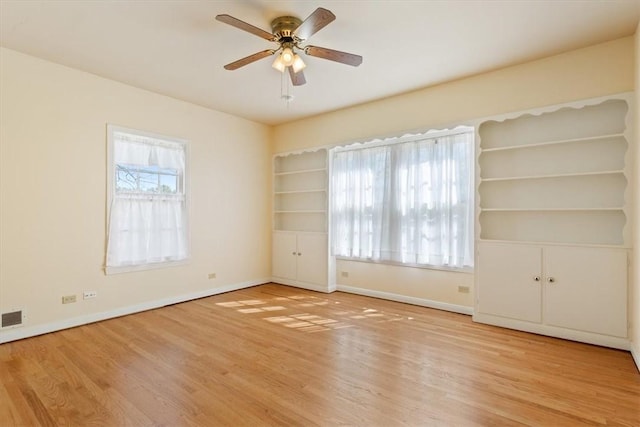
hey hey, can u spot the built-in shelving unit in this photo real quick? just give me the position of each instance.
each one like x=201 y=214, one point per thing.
x=556 y=177
x=553 y=214
x=300 y=246
x=300 y=192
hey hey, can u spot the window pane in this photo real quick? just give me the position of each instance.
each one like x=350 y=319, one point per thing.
x=125 y=179
x=148 y=182
x=168 y=184
x=147 y=179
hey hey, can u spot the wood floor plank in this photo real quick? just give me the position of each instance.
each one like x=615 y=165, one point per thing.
x=276 y=355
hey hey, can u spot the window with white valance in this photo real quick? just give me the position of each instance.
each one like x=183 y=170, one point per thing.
x=148 y=218
x=406 y=200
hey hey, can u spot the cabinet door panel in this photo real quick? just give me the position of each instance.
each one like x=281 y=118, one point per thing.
x=284 y=255
x=312 y=261
x=507 y=285
x=589 y=289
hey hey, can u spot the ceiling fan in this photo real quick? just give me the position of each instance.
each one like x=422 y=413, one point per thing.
x=290 y=33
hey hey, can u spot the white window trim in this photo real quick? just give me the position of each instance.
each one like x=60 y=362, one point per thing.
x=467 y=270
x=111 y=129
x=143 y=267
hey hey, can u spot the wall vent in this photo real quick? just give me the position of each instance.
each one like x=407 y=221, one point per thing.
x=12 y=318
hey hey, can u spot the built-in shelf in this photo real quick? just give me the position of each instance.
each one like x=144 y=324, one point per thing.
x=551 y=209
x=557 y=226
x=301 y=171
x=597 y=156
x=546 y=143
x=300 y=212
x=320 y=190
x=550 y=243
x=300 y=221
x=558 y=176
x=300 y=192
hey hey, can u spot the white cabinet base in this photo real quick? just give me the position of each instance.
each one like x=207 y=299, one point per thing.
x=572 y=292
x=304 y=285
x=568 y=334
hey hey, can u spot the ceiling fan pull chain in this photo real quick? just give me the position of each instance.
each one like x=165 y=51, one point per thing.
x=284 y=89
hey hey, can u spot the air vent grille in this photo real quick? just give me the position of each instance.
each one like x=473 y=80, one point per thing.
x=13 y=318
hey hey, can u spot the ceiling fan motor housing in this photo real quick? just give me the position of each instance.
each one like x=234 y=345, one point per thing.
x=283 y=28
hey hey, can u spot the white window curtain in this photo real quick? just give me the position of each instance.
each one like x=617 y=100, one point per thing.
x=405 y=202
x=147 y=226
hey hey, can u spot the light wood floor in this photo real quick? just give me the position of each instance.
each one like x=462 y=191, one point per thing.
x=275 y=355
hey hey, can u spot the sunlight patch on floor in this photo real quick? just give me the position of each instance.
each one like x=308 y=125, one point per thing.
x=305 y=321
x=248 y=306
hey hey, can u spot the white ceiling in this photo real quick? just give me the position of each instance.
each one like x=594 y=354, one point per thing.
x=178 y=49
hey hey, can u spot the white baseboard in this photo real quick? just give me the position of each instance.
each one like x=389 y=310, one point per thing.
x=635 y=353
x=407 y=299
x=26 y=332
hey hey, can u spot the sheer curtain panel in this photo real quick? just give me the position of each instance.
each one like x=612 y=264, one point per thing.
x=148 y=207
x=408 y=201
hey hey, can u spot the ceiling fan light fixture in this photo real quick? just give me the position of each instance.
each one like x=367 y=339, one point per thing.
x=278 y=64
x=287 y=56
x=288 y=32
x=298 y=63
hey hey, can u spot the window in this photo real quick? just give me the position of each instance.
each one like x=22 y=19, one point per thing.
x=406 y=200
x=147 y=201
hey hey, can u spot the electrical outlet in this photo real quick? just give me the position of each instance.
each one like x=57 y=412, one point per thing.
x=89 y=294
x=68 y=299
x=344 y=274
x=463 y=289
x=212 y=275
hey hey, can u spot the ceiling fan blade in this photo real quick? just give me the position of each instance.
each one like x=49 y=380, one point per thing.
x=249 y=59
x=235 y=22
x=319 y=19
x=334 y=55
x=297 y=78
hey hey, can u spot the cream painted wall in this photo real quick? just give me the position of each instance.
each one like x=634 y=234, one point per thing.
x=635 y=281
x=53 y=192
x=595 y=71
x=439 y=286
x=585 y=73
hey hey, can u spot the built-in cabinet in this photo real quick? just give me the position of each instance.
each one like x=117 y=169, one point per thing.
x=300 y=247
x=553 y=221
x=578 y=288
x=300 y=257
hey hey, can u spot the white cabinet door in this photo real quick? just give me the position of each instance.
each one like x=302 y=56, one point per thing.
x=586 y=289
x=300 y=256
x=284 y=256
x=312 y=258
x=507 y=281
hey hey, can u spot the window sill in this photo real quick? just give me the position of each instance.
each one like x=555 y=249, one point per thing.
x=144 y=267
x=465 y=270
